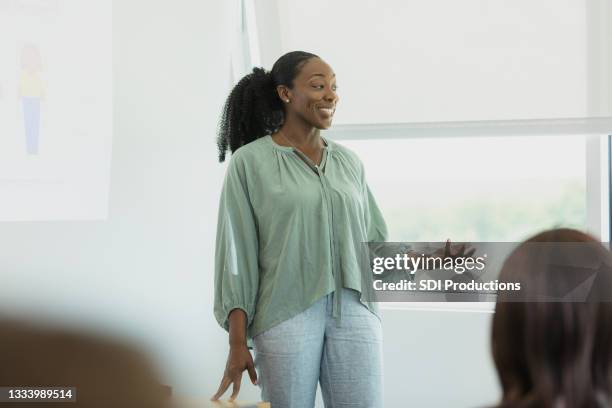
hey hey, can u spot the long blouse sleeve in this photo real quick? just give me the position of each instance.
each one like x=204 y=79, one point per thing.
x=376 y=235
x=376 y=227
x=236 y=251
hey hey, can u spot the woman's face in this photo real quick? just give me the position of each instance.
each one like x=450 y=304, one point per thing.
x=313 y=97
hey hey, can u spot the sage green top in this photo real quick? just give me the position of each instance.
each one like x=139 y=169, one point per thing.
x=289 y=232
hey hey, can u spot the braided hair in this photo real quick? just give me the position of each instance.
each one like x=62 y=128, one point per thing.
x=253 y=108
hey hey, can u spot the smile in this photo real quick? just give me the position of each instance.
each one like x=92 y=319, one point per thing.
x=328 y=112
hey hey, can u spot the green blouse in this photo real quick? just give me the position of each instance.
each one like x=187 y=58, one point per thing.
x=289 y=232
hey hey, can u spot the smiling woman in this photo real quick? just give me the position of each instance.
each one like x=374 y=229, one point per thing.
x=294 y=210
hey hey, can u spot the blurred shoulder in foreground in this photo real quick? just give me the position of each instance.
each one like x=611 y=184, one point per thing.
x=105 y=372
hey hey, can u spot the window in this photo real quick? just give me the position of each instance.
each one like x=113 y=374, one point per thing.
x=476 y=188
x=484 y=189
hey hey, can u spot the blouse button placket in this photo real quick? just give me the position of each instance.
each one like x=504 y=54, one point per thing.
x=337 y=307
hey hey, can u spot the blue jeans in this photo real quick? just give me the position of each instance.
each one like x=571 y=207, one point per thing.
x=291 y=357
x=31 y=122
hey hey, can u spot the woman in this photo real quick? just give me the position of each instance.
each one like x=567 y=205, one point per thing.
x=294 y=210
x=552 y=353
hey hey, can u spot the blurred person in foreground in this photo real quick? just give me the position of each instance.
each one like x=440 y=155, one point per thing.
x=105 y=372
x=552 y=345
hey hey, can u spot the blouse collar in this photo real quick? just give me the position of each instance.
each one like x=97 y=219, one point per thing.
x=328 y=145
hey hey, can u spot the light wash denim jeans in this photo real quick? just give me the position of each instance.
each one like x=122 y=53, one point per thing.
x=291 y=357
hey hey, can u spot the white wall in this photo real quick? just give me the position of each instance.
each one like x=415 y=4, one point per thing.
x=146 y=273
x=438 y=359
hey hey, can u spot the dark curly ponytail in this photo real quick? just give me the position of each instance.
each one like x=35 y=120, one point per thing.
x=253 y=108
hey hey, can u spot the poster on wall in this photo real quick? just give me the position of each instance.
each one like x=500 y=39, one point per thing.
x=55 y=109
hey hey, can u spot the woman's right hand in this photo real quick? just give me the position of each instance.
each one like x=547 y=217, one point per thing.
x=238 y=360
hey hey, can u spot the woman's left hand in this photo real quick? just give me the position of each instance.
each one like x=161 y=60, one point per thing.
x=457 y=251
